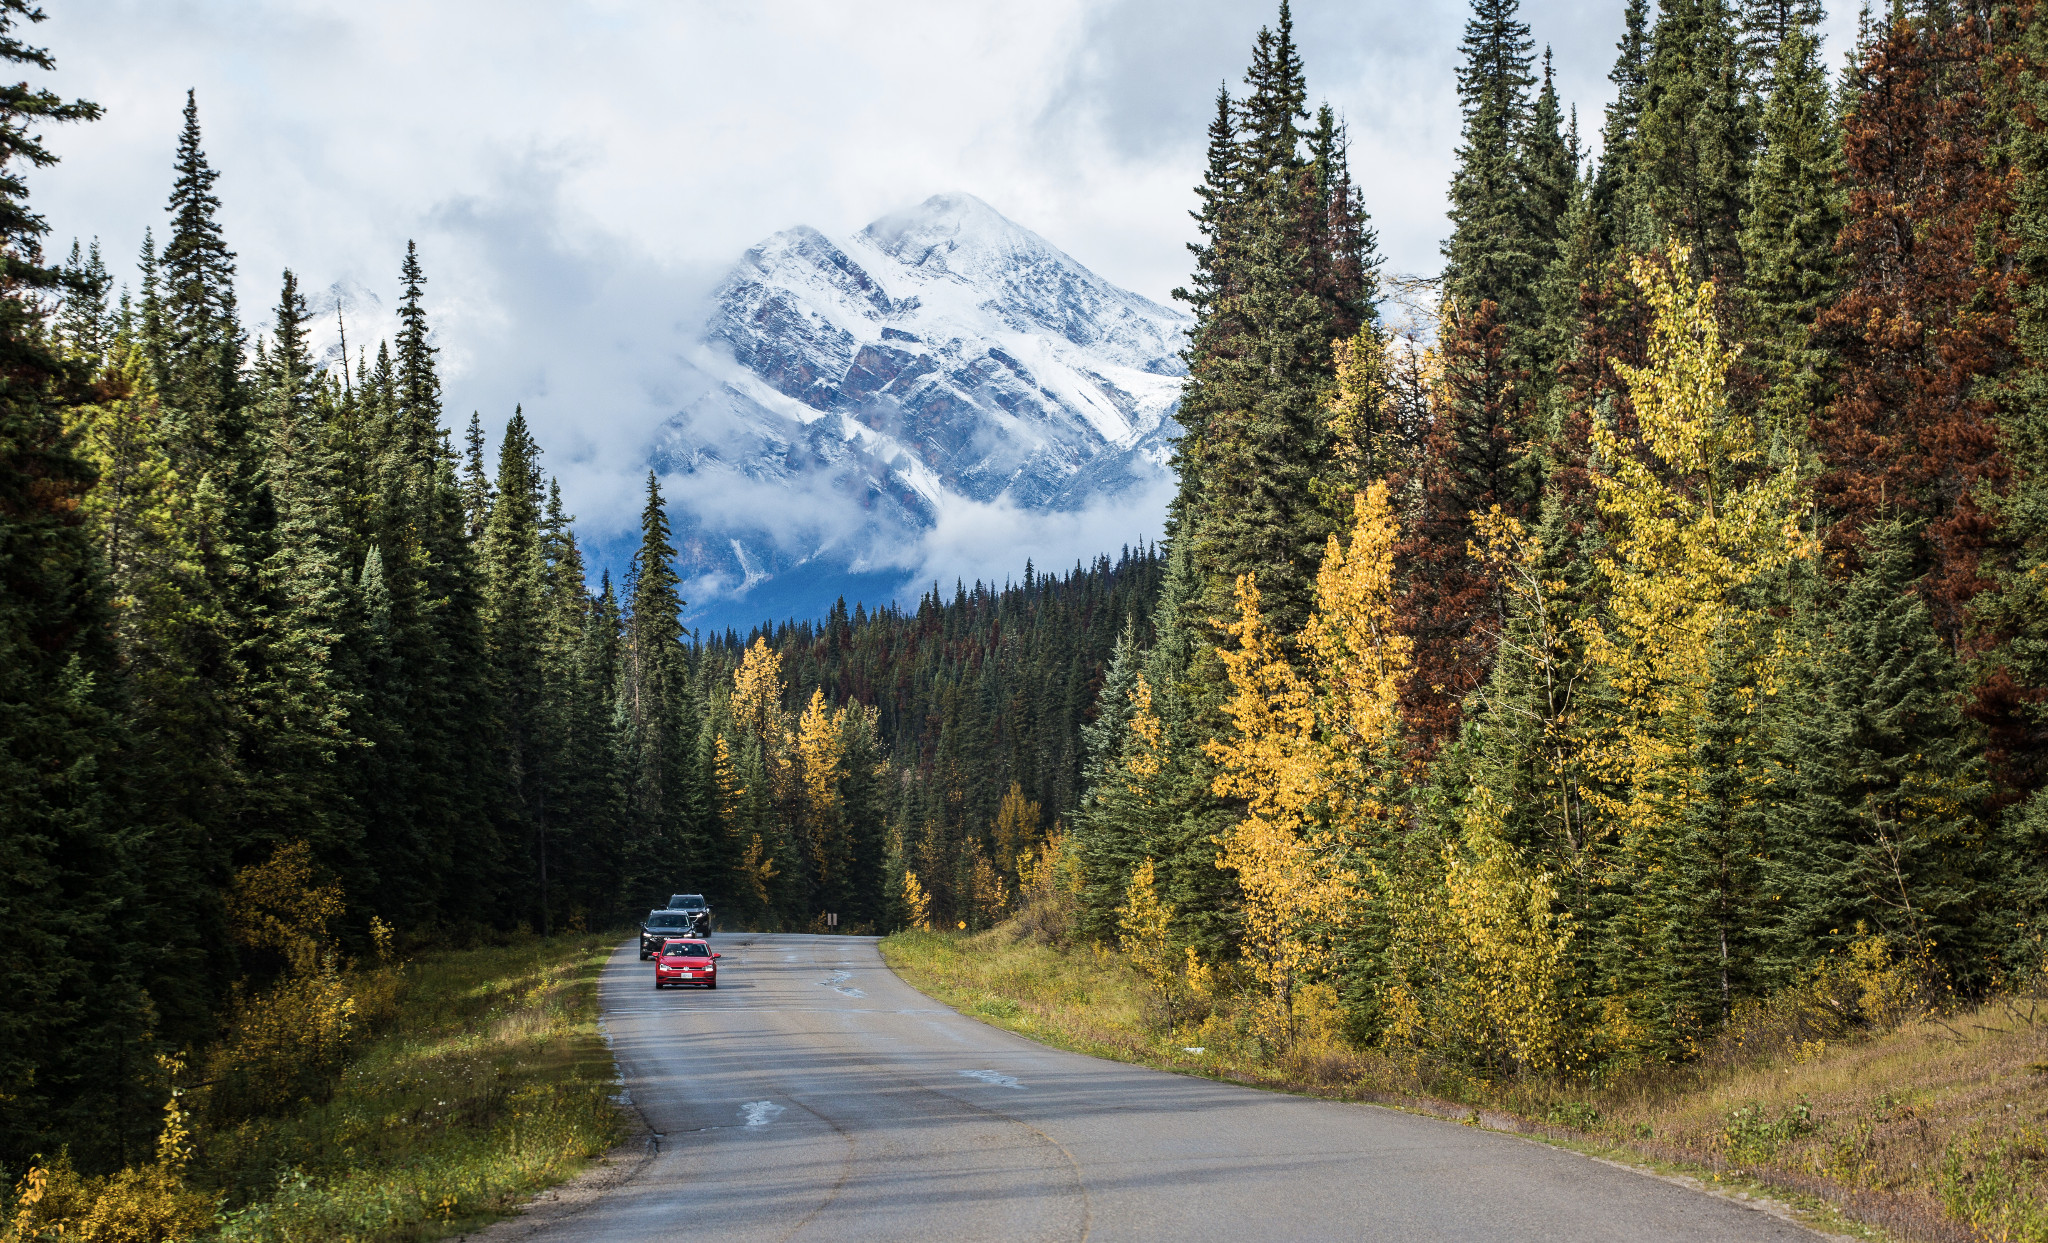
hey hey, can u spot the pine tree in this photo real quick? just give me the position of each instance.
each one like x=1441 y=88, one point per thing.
x=1877 y=784
x=439 y=667
x=1766 y=24
x=1696 y=137
x=1789 y=231
x=1922 y=332
x=515 y=630
x=301 y=711
x=1110 y=829
x=1703 y=887
x=85 y=323
x=661 y=724
x=1494 y=253
x=477 y=493
x=1616 y=194
x=1479 y=456
x=1549 y=161
x=1287 y=267
x=70 y=1031
x=199 y=352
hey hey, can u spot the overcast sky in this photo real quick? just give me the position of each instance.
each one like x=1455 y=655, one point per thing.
x=576 y=172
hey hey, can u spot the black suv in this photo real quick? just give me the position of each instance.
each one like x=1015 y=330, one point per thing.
x=662 y=926
x=699 y=909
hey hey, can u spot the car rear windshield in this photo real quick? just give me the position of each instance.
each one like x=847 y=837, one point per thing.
x=666 y=920
x=688 y=901
x=686 y=949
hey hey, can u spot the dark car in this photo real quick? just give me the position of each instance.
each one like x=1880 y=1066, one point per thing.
x=685 y=962
x=664 y=925
x=699 y=909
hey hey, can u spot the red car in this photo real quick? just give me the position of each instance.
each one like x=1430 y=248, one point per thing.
x=685 y=962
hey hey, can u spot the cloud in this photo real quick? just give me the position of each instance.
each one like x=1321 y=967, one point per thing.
x=959 y=546
x=578 y=172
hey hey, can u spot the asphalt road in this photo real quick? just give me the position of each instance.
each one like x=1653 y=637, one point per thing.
x=814 y=1095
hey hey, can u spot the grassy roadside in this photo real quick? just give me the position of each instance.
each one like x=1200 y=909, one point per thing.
x=487 y=1080
x=394 y=1101
x=1935 y=1131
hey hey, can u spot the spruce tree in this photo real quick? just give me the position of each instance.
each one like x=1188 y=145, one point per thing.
x=659 y=713
x=1702 y=891
x=1877 y=785
x=1697 y=134
x=477 y=493
x=1493 y=253
x=515 y=630
x=85 y=323
x=1789 y=231
x=199 y=354
x=1109 y=832
x=73 y=1022
x=301 y=710
x=1549 y=160
x=1766 y=24
x=1616 y=198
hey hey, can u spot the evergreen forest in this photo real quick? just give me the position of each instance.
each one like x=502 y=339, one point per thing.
x=1652 y=624
x=1656 y=618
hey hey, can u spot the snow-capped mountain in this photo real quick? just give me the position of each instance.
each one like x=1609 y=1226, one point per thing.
x=941 y=360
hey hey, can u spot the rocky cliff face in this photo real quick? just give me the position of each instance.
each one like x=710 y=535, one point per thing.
x=862 y=389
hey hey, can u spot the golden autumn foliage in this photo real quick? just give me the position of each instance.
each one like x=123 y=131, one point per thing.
x=988 y=893
x=287 y=1040
x=1148 y=736
x=1145 y=931
x=1016 y=829
x=757 y=869
x=756 y=706
x=1478 y=968
x=819 y=744
x=820 y=748
x=917 y=902
x=141 y=1204
x=1695 y=514
x=725 y=780
x=1312 y=758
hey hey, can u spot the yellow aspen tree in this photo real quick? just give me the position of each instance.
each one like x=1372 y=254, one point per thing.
x=1148 y=742
x=1510 y=945
x=1359 y=658
x=289 y=1038
x=1145 y=932
x=1693 y=517
x=917 y=902
x=1312 y=758
x=820 y=747
x=725 y=780
x=1016 y=830
x=757 y=710
x=757 y=869
x=988 y=894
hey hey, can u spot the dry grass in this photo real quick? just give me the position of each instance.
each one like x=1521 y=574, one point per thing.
x=1946 y=1115
x=1937 y=1130
x=487 y=1080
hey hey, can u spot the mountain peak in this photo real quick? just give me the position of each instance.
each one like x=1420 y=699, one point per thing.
x=942 y=358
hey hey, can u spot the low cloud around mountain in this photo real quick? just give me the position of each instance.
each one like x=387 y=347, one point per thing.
x=944 y=394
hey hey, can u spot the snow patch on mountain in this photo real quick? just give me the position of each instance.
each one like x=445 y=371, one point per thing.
x=941 y=367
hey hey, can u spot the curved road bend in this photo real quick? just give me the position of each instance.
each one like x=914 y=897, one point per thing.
x=814 y=1095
